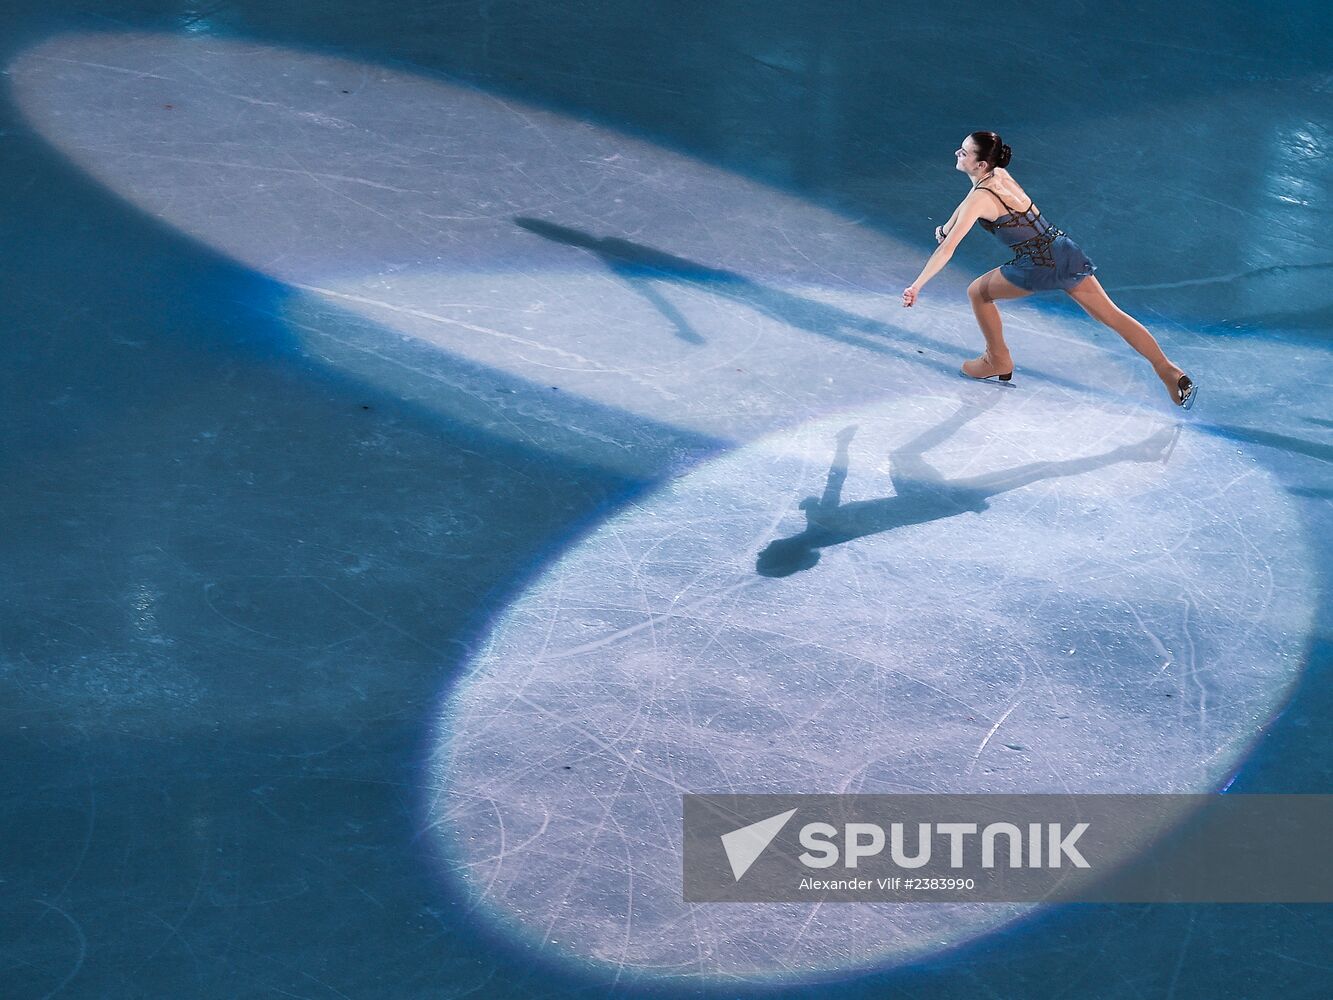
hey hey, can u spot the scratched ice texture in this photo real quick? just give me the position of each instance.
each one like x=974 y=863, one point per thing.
x=440 y=435
x=1072 y=643
x=1035 y=617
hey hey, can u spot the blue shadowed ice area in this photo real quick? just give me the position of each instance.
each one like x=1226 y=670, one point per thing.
x=438 y=436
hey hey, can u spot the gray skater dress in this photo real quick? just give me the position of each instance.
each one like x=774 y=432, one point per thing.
x=1044 y=257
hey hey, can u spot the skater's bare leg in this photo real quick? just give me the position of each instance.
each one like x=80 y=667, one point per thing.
x=983 y=294
x=1093 y=298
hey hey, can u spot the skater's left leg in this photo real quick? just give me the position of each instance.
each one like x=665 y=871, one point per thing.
x=1089 y=294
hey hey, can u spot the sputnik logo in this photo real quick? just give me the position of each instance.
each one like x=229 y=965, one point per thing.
x=744 y=846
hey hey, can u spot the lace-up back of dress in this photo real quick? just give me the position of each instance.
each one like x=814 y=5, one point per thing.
x=1026 y=232
x=1027 y=217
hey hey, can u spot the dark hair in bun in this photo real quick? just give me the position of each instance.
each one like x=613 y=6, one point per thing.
x=990 y=149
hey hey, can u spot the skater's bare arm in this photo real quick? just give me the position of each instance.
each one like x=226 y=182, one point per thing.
x=967 y=214
x=942 y=231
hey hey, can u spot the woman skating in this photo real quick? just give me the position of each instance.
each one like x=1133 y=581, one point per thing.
x=1045 y=259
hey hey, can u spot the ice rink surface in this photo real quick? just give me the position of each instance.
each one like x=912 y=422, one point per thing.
x=440 y=437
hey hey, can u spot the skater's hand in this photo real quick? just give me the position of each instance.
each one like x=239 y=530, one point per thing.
x=939 y=234
x=909 y=296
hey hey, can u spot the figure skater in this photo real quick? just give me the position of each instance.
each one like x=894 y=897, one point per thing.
x=1044 y=259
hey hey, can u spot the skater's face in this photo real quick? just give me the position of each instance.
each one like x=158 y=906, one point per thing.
x=966 y=157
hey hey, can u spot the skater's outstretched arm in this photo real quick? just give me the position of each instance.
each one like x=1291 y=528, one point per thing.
x=968 y=212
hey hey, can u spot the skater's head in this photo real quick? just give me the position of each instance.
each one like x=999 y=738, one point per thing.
x=980 y=152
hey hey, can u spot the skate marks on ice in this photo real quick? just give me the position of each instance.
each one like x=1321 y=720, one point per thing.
x=1032 y=598
x=981 y=593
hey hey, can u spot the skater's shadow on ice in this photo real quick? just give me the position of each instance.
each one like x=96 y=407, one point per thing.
x=641 y=267
x=921 y=494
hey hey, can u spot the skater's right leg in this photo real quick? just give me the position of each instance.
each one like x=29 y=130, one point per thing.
x=983 y=293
